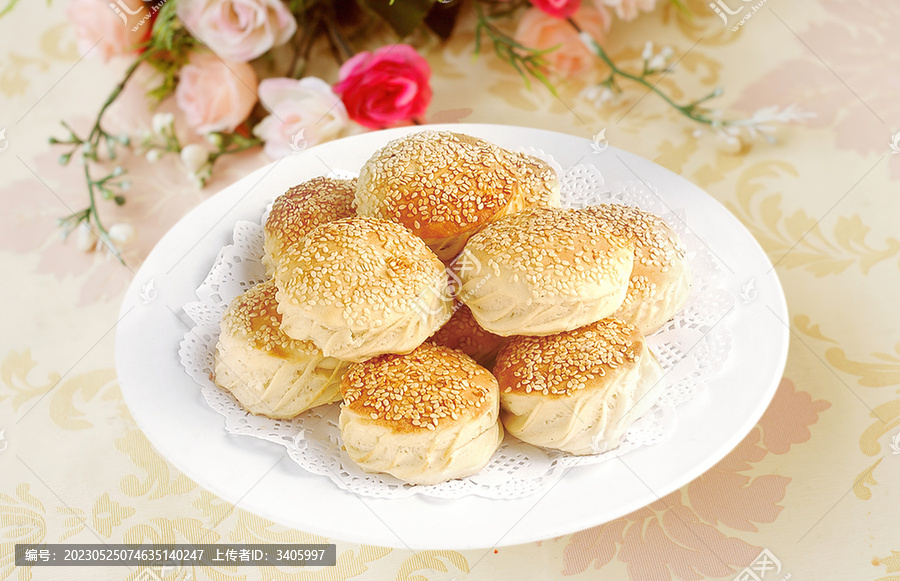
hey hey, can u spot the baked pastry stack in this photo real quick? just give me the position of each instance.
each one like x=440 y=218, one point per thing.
x=557 y=301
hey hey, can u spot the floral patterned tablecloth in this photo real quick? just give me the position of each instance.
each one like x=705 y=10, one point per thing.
x=812 y=488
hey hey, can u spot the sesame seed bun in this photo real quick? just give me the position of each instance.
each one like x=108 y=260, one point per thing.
x=463 y=332
x=269 y=373
x=425 y=417
x=543 y=271
x=660 y=281
x=577 y=391
x=299 y=210
x=445 y=186
x=537 y=179
x=359 y=287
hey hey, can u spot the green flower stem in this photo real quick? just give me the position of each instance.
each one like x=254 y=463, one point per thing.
x=91 y=213
x=691 y=110
x=248 y=144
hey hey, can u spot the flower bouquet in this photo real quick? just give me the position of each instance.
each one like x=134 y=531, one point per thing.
x=287 y=74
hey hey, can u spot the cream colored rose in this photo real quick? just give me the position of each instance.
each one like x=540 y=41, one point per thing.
x=238 y=30
x=304 y=113
x=215 y=95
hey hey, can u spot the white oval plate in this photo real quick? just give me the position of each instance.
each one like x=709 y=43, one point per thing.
x=259 y=477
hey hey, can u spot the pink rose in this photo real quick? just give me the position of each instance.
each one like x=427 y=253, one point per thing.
x=113 y=33
x=304 y=112
x=557 y=8
x=386 y=86
x=214 y=95
x=571 y=57
x=238 y=30
x=628 y=10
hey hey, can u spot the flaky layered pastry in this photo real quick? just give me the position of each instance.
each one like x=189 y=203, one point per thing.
x=445 y=186
x=269 y=373
x=660 y=281
x=359 y=287
x=425 y=417
x=299 y=210
x=577 y=391
x=543 y=271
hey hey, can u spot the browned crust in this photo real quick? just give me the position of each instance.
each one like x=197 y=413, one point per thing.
x=422 y=390
x=565 y=363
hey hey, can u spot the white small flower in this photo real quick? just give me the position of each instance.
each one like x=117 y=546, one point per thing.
x=122 y=234
x=728 y=143
x=194 y=157
x=153 y=155
x=117 y=171
x=657 y=63
x=667 y=52
x=648 y=51
x=198 y=179
x=214 y=139
x=125 y=186
x=85 y=240
x=162 y=122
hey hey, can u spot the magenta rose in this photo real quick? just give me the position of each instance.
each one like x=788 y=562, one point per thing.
x=386 y=86
x=557 y=8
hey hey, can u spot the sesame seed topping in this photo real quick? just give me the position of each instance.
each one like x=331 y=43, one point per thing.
x=419 y=390
x=655 y=243
x=553 y=250
x=303 y=207
x=254 y=314
x=371 y=269
x=537 y=179
x=438 y=183
x=568 y=362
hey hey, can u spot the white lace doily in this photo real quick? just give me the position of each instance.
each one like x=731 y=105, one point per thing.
x=688 y=348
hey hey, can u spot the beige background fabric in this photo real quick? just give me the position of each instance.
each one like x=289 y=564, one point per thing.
x=814 y=483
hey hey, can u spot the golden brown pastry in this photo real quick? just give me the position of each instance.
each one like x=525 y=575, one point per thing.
x=577 y=391
x=424 y=417
x=445 y=186
x=537 y=179
x=359 y=287
x=661 y=280
x=463 y=332
x=300 y=209
x=543 y=271
x=269 y=373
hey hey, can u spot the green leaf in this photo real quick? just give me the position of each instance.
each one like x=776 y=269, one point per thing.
x=403 y=16
x=682 y=7
x=8 y=8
